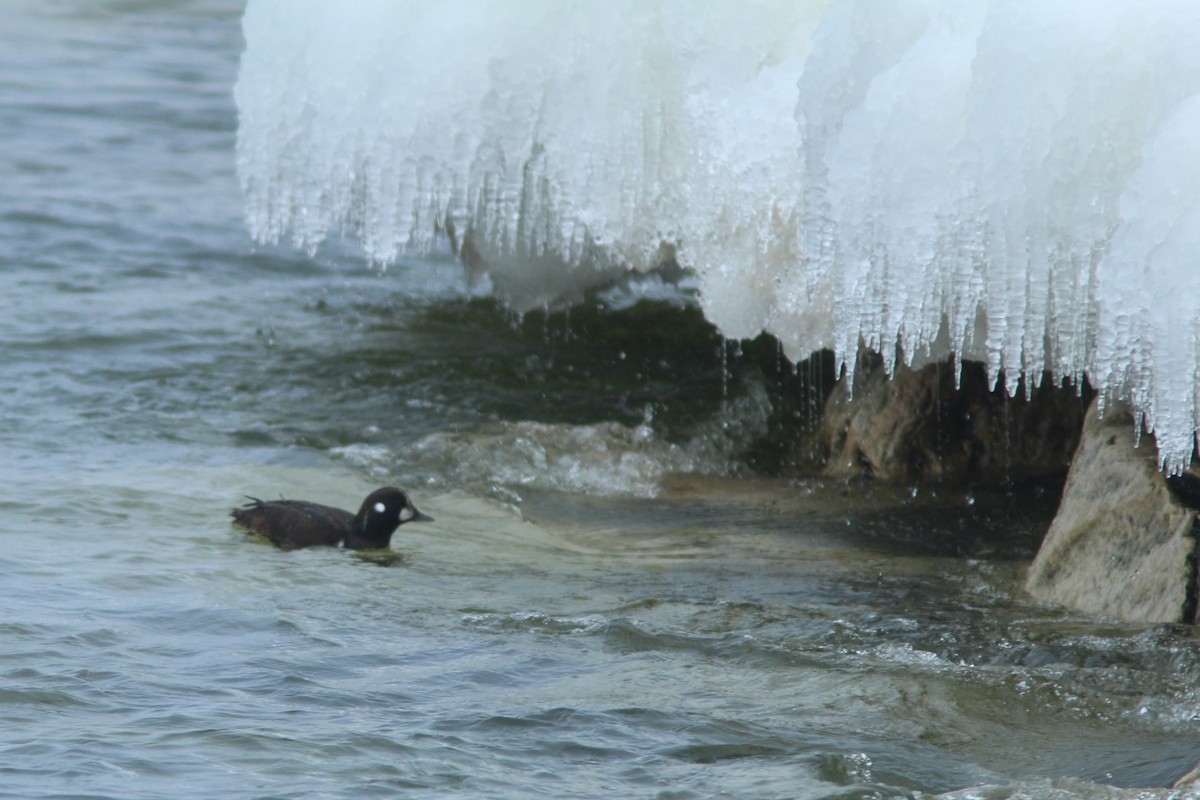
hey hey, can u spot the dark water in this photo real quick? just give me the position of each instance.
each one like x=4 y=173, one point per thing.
x=609 y=603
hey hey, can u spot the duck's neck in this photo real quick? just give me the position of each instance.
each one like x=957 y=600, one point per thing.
x=362 y=538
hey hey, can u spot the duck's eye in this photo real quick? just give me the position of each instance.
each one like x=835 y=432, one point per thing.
x=380 y=508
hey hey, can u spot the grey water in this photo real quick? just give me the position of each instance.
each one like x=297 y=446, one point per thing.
x=611 y=603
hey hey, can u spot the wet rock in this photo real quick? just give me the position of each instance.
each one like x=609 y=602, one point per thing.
x=918 y=426
x=1123 y=542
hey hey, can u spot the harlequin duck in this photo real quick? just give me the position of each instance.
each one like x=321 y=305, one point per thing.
x=293 y=524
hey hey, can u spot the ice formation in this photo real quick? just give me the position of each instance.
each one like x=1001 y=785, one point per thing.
x=1014 y=182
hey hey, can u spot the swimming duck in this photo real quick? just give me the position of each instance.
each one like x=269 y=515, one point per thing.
x=292 y=524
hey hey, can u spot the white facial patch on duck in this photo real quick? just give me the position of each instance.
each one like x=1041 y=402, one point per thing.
x=380 y=508
x=407 y=513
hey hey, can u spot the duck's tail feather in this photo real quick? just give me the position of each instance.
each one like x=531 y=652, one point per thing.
x=237 y=513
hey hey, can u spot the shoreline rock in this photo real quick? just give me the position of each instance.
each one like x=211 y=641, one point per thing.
x=1123 y=543
x=943 y=422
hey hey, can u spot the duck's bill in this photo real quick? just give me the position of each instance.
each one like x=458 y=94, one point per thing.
x=421 y=518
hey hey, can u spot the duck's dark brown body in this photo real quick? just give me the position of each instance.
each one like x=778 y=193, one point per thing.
x=292 y=524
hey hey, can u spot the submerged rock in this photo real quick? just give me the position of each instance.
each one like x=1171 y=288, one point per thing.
x=1123 y=543
x=918 y=425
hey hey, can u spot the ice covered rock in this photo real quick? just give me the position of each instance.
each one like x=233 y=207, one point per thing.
x=1013 y=183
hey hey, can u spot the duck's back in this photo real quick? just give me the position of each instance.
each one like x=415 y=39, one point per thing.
x=292 y=524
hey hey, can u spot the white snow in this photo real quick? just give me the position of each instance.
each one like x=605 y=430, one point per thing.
x=1015 y=182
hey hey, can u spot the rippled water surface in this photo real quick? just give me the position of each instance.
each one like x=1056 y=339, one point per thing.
x=609 y=604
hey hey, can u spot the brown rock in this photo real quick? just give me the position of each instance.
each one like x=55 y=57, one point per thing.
x=918 y=426
x=1123 y=542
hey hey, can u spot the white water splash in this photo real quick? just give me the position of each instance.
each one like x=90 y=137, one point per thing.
x=1017 y=183
x=605 y=459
